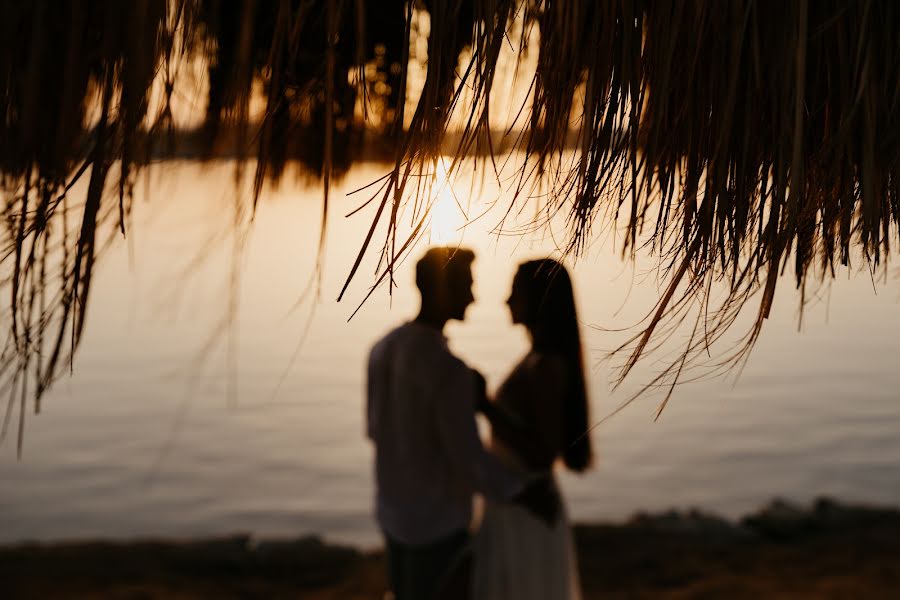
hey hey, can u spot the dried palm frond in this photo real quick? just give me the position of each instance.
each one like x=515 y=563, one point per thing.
x=730 y=138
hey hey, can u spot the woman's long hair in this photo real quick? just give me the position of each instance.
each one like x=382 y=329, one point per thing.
x=553 y=322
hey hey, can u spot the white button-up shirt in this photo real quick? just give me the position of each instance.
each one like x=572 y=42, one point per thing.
x=429 y=459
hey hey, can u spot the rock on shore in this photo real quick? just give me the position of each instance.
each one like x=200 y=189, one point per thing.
x=828 y=550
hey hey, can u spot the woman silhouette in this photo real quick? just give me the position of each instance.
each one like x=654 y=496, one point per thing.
x=539 y=415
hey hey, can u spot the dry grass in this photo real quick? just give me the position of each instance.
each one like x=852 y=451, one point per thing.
x=732 y=138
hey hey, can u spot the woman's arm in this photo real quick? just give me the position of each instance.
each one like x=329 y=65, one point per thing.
x=536 y=440
x=504 y=425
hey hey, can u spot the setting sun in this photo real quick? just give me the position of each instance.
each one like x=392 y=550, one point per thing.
x=447 y=218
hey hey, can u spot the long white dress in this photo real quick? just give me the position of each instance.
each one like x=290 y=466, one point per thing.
x=518 y=556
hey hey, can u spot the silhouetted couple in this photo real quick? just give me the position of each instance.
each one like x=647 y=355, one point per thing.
x=430 y=460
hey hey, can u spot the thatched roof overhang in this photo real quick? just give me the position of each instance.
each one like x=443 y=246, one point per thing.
x=750 y=133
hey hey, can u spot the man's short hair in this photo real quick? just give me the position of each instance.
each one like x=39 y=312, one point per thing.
x=439 y=265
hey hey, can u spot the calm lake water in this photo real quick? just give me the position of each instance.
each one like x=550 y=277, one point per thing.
x=156 y=434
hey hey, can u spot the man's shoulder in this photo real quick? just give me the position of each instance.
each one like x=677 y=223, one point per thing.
x=398 y=334
x=405 y=335
x=412 y=339
x=381 y=346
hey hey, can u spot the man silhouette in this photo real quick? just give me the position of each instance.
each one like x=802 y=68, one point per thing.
x=429 y=459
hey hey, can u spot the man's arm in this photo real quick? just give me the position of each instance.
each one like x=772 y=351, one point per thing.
x=455 y=397
x=456 y=389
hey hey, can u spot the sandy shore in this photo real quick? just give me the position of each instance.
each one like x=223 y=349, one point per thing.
x=828 y=550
